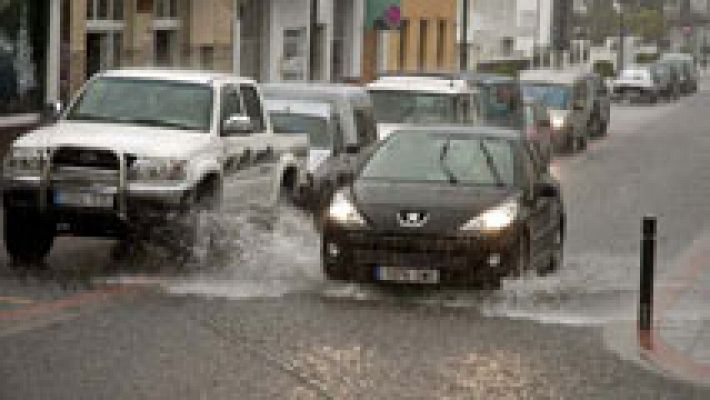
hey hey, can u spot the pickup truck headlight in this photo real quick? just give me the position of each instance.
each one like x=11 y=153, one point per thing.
x=158 y=169
x=343 y=212
x=495 y=219
x=24 y=162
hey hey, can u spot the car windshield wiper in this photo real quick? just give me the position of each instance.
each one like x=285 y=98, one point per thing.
x=155 y=122
x=491 y=164
x=445 y=166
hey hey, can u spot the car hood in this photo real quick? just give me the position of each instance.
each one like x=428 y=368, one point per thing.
x=138 y=140
x=632 y=83
x=447 y=207
x=386 y=129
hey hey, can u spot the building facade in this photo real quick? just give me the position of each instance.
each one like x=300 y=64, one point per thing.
x=424 y=40
x=269 y=40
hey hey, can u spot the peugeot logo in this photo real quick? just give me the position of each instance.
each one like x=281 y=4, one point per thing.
x=412 y=219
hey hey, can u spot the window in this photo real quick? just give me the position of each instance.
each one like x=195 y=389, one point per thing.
x=165 y=47
x=294 y=54
x=403 y=44
x=207 y=57
x=103 y=51
x=104 y=10
x=423 y=43
x=507 y=46
x=166 y=9
x=253 y=107
x=231 y=103
x=440 y=43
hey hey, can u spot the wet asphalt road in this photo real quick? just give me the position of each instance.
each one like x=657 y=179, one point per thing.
x=267 y=326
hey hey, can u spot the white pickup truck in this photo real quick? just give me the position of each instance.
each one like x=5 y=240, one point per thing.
x=141 y=149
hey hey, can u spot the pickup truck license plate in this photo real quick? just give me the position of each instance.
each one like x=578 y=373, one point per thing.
x=83 y=199
x=405 y=275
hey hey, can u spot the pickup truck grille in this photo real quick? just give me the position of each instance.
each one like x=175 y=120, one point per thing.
x=86 y=158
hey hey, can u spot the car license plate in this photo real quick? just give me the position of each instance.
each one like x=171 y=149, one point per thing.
x=83 y=199
x=406 y=275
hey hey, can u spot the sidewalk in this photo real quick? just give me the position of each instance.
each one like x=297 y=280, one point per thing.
x=681 y=336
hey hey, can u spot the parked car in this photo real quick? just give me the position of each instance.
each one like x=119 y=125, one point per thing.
x=445 y=205
x=688 y=71
x=668 y=79
x=421 y=99
x=571 y=99
x=637 y=83
x=139 y=151
x=338 y=121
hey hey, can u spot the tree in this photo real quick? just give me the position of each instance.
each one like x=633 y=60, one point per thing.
x=602 y=20
x=648 y=24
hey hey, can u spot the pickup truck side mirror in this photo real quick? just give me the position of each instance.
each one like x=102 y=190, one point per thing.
x=237 y=125
x=52 y=111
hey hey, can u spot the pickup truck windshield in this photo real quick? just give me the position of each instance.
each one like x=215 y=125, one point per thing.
x=411 y=107
x=158 y=103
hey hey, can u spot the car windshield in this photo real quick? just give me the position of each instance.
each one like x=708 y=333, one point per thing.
x=412 y=107
x=634 y=74
x=553 y=96
x=315 y=127
x=429 y=157
x=159 y=103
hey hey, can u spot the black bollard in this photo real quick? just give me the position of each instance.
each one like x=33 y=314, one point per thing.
x=648 y=255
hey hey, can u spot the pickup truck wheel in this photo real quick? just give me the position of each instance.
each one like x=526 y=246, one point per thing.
x=29 y=236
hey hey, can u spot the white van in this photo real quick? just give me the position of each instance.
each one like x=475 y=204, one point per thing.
x=436 y=99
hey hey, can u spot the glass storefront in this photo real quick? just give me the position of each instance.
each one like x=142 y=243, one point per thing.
x=23 y=45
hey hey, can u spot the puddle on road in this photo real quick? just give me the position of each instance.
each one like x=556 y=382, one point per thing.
x=591 y=289
x=256 y=260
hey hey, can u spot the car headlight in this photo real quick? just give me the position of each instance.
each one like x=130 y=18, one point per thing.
x=24 y=162
x=158 y=169
x=495 y=219
x=558 y=122
x=343 y=211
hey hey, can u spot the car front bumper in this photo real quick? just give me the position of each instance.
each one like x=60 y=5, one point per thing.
x=459 y=259
x=140 y=205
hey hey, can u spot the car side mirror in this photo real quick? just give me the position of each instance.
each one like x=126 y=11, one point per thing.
x=237 y=125
x=545 y=123
x=546 y=189
x=578 y=106
x=52 y=111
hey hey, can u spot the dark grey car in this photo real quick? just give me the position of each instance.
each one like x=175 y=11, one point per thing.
x=446 y=205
